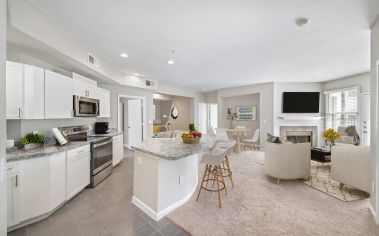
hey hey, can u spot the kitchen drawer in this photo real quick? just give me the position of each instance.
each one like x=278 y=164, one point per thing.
x=13 y=167
x=78 y=151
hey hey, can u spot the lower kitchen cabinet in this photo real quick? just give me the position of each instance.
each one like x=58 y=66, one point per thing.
x=35 y=187
x=38 y=186
x=78 y=170
x=13 y=195
x=118 y=149
x=57 y=180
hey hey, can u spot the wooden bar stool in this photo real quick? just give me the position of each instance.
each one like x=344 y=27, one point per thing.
x=227 y=171
x=213 y=171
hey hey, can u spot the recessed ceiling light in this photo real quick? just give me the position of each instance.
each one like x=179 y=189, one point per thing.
x=171 y=62
x=124 y=55
x=301 y=22
x=136 y=74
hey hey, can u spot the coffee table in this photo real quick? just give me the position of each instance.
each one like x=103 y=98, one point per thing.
x=320 y=155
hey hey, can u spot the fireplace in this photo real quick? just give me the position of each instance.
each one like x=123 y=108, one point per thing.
x=300 y=134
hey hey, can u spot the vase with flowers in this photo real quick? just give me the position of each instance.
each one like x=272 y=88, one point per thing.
x=231 y=117
x=331 y=135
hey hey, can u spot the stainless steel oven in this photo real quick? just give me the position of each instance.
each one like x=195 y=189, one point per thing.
x=86 y=107
x=101 y=160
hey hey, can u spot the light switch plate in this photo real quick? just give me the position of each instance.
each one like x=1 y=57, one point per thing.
x=181 y=179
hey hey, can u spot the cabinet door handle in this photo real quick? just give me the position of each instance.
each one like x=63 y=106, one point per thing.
x=19 y=112
x=16 y=180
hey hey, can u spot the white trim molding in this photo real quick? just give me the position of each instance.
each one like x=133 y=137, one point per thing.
x=159 y=215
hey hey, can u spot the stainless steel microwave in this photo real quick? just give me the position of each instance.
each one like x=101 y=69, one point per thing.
x=86 y=107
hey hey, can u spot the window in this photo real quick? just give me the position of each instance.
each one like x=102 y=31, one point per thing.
x=212 y=115
x=342 y=108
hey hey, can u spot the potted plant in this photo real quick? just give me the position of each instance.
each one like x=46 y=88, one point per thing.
x=231 y=117
x=330 y=136
x=32 y=140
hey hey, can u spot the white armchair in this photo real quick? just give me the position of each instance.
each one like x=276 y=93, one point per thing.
x=351 y=165
x=288 y=161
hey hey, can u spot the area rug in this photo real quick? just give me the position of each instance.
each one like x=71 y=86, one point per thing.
x=259 y=206
x=321 y=181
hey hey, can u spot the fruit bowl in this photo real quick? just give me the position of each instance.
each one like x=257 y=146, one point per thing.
x=191 y=140
x=191 y=137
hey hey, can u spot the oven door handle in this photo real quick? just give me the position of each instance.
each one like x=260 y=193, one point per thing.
x=102 y=144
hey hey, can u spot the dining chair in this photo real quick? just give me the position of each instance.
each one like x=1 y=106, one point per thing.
x=222 y=135
x=211 y=131
x=253 y=142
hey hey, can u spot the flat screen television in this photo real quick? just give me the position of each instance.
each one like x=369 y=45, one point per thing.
x=301 y=102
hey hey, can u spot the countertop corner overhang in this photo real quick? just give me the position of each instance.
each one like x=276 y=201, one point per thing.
x=173 y=148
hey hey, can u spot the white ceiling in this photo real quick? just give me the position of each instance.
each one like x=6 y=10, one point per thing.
x=223 y=43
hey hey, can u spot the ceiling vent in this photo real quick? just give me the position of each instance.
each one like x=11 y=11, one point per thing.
x=92 y=60
x=149 y=83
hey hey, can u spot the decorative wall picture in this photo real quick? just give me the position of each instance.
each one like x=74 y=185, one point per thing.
x=246 y=113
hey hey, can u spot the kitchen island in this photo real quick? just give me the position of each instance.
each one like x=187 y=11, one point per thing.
x=166 y=173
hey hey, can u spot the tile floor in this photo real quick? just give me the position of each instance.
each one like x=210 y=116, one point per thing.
x=103 y=211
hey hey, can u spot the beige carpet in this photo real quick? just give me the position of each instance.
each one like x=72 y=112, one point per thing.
x=321 y=181
x=259 y=206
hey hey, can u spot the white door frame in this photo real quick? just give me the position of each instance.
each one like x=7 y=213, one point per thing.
x=144 y=115
x=374 y=108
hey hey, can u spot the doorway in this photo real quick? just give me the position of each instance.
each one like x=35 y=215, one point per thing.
x=132 y=119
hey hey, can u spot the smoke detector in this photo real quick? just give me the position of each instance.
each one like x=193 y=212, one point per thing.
x=301 y=22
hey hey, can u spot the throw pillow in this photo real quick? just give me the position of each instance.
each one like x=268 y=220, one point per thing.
x=273 y=139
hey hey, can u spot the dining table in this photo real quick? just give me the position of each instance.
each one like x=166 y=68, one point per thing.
x=238 y=134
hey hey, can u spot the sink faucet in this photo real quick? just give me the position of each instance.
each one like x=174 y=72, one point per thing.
x=168 y=124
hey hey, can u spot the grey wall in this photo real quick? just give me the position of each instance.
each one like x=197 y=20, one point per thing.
x=362 y=80
x=186 y=112
x=374 y=116
x=19 y=128
x=162 y=107
x=3 y=189
x=266 y=104
x=245 y=100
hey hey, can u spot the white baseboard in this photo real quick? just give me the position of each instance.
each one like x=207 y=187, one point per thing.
x=159 y=215
x=373 y=214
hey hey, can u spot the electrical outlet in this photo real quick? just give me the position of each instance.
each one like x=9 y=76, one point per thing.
x=181 y=179
x=139 y=160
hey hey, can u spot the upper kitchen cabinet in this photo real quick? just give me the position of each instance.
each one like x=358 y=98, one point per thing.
x=58 y=96
x=83 y=86
x=105 y=102
x=24 y=91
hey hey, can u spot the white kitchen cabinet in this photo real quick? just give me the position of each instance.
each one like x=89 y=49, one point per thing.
x=35 y=187
x=105 y=102
x=14 y=89
x=83 y=86
x=13 y=195
x=118 y=149
x=57 y=179
x=34 y=94
x=77 y=170
x=24 y=91
x=58 y=96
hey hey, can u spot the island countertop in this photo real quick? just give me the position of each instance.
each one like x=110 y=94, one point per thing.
x=173 y=148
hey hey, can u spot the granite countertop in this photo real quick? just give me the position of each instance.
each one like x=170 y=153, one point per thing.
x=173 y=148
x=46 y=150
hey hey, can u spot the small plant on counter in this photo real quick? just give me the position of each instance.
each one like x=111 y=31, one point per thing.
x=32 y=139
x=191 y=127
